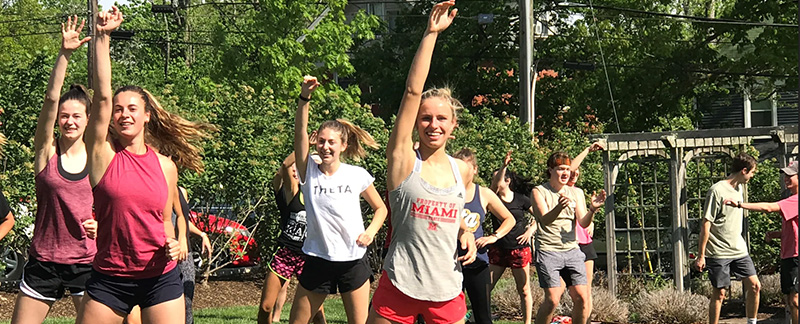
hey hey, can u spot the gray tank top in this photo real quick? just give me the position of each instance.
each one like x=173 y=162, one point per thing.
x=560 y=234
x=421 y=261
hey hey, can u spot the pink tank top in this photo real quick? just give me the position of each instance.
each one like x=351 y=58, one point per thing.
x=129 y=203
x=64 y=202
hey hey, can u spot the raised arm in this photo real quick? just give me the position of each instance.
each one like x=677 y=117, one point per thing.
x=301 y=126
x=576 y=162
x=586 y=217
x=501 y=174
x=43 y=140
x=98 y=146
x=399 y=150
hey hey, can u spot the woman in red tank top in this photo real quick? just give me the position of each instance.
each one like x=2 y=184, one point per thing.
x=133 y=172
x=63 y=243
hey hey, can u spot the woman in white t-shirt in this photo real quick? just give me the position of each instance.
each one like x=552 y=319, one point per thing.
x=336 y=239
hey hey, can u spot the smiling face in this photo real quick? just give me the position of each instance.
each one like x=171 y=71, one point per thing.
x=435 y=122
x=130 y=114
x=791 y=182
x=72 y=119
x=330 y=145
x=573 y=178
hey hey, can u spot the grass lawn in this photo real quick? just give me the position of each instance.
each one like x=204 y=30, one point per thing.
x=334 y=312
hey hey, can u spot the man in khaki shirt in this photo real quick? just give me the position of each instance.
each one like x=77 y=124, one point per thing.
x=722 y=248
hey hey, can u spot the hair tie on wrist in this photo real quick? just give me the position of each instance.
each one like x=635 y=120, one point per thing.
x=303 y=98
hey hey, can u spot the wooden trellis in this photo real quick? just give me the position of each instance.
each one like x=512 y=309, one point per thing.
x=650 y=221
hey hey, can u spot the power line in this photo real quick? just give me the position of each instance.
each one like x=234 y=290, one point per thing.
x=29 y=34
x=605 y=68
x=698 y=19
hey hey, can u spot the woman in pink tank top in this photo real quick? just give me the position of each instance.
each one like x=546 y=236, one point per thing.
x=63 y=245
x=133 y=172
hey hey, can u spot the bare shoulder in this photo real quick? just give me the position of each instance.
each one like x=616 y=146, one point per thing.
x=167 y=165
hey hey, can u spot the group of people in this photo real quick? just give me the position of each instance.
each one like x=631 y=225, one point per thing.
x=438 y=248
x=112 y=224
x=722 y=248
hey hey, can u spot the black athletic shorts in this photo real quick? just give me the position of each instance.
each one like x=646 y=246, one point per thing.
x=49 y=281
x=789 y=275
x=588 y=250
x=720 y=270
x=122 y=294
x=326 y=277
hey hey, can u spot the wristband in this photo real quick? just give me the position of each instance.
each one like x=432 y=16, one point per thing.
x=739 y=204
x=303 y=98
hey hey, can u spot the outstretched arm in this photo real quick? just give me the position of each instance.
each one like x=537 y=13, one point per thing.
x=576 y=162
x=501 y=174
x=766 y=207
x=97 y=145
x=43 y=140
x=399 y=151
x=301 y=126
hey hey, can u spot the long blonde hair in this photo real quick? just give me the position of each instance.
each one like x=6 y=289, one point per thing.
x=355 y=137
x=170 y=134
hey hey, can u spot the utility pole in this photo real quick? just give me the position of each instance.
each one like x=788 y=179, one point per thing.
x=526 y=112
x=166 y=58
x=92 y=4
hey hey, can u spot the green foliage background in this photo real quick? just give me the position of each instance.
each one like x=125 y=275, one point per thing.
x=239 y=67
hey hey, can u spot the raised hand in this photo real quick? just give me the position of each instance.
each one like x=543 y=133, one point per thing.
x=440 y=18
x=108 y=21
x=598 y=199
x=508 y=159
x=70 y=34
x=596 y=147
x=309 y=84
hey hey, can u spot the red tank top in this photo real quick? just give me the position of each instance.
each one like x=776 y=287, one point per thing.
x=64 y=202
x=129 y=202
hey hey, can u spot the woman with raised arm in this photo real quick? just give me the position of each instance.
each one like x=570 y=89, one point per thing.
x=63 y=246
x=477 y=277
x=422 y=272
x=336 y=239
x=133 y=172
x=514 y=250
x=288 y=261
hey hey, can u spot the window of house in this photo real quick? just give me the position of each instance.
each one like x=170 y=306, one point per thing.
x=762 y=112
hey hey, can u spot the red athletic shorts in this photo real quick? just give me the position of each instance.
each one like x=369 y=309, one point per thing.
x=515 y=259
x=396 y=306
